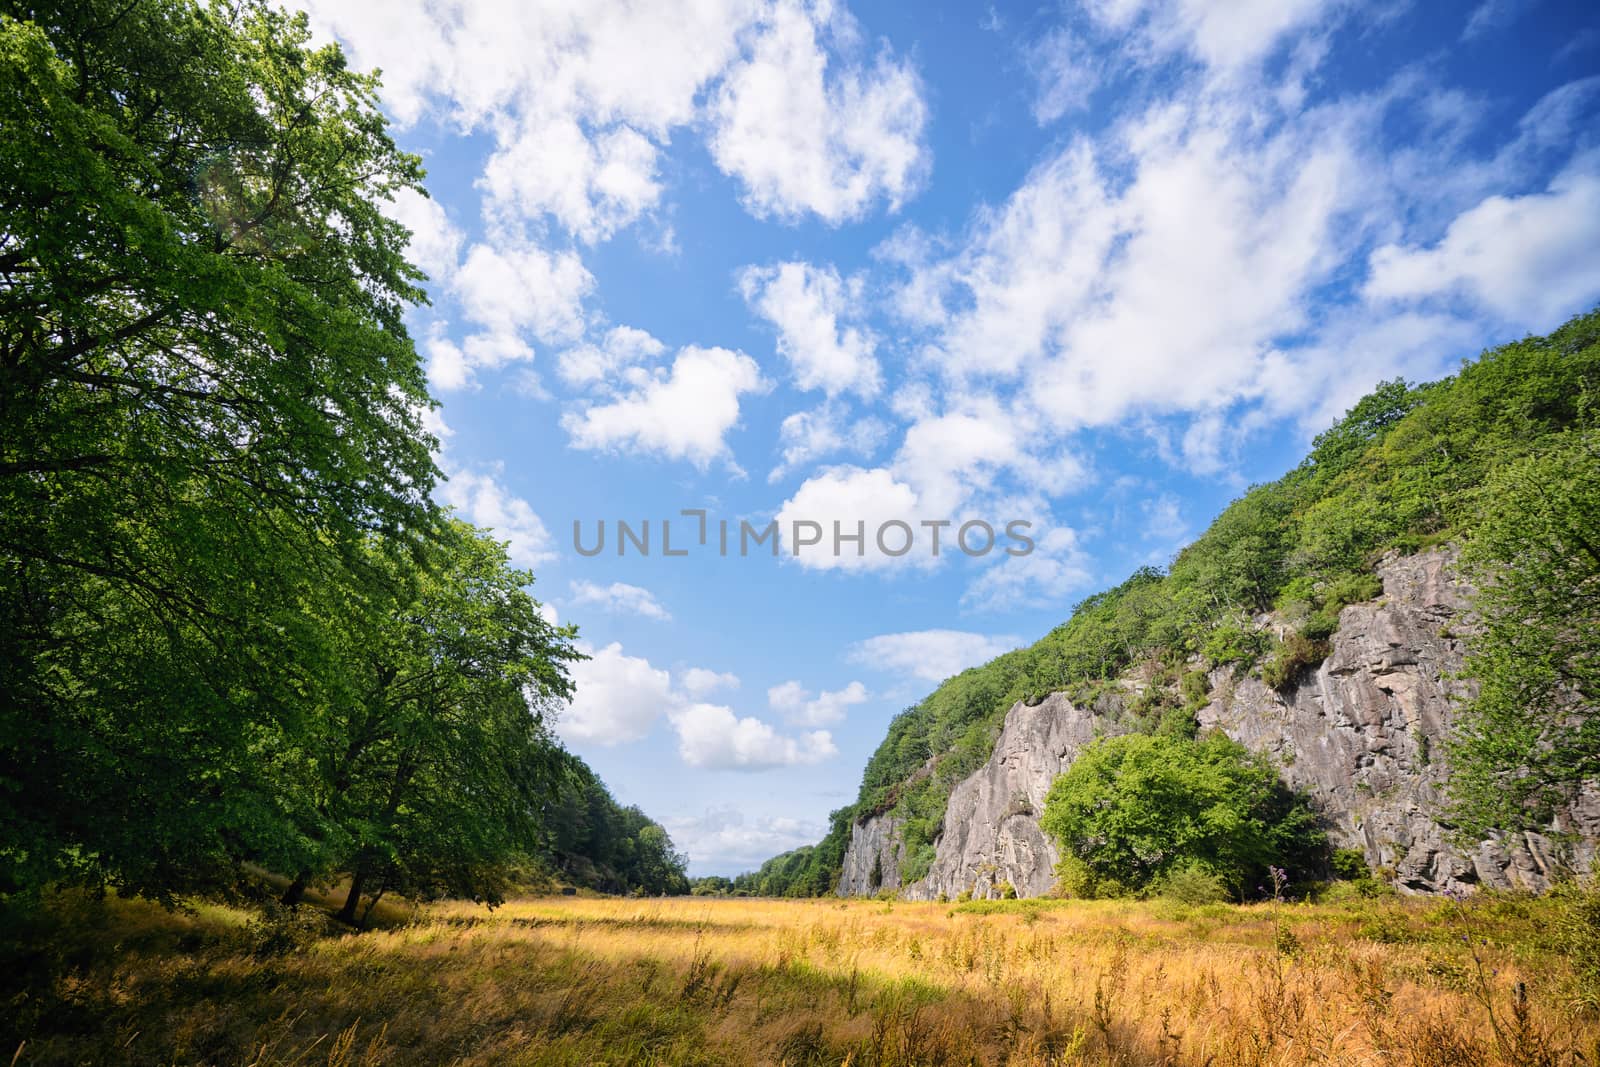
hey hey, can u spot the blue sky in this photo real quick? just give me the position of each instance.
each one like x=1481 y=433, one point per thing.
x=1093 y=266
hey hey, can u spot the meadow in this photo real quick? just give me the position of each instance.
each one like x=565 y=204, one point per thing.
x=693 y=980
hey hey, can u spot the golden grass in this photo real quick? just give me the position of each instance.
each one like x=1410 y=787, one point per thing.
x=866 y=983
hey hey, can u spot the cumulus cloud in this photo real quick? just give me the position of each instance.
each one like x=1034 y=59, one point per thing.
x=617 y=698
x=804 y=132
x=930 y=655
x=481 y=499
x=581 y=101
x=1529 y=259
x=618 y=350
x=620 y=598
x=435 y=244
x=808 y=436
x=807 y=304
x=508 y=289
x=713 y=737
x=800 y=706
x=1049 y=576
x=684 y=413
x=699 y=681
x=1223 y=36
x=725 y=840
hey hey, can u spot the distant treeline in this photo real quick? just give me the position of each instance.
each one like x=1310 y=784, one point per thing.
x=1502 y=459
x=235 y=632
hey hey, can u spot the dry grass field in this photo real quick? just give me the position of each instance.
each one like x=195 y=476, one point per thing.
x=728 y=981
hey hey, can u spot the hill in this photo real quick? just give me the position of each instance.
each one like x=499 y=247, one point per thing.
x=1408 y=468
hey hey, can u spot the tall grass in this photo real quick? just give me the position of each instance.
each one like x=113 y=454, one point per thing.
x=865 y=983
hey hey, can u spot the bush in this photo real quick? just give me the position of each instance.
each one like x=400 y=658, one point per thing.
x=1192 y=884
x=1007 y=890
x=1297 y=653
x=1350 y=864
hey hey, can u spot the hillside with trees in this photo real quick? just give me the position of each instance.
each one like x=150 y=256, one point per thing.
x=1499 y=459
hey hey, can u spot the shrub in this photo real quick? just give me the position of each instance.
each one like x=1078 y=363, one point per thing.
x=1192 y=884
x=1350 y=864
x=1295 y=655
x=1007 y=890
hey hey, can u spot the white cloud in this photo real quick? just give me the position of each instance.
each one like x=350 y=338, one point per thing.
x=480 y=499
x=1049 y=576
x=593 y=184
x=581 y=99
x=798 y=705
x=511 y=288
x=698 y=681
x=1065 y=74
x=930 y=655
x=620 y=598
x=617 y=698
x=435 y=241
x=620 y=348
x=724 y=840
x=712 y=737
x=806 y=304
x=1529 y=259
x=855 y=501
x=807 y=436
x=1224 y=36
x=802 y=137
x=684 y=414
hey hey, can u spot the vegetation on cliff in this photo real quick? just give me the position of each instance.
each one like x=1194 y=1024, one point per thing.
x=1498 y=458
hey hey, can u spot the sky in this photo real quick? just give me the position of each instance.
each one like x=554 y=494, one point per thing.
x=1091 y=268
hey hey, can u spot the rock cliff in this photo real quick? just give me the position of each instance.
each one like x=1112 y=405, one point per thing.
x=1363 y=735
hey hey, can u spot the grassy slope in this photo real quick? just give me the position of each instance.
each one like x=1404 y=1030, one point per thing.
x=1400 y=471
x=691 y=981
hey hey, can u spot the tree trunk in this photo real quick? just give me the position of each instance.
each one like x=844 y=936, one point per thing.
x=296 y=891
x=347 y=914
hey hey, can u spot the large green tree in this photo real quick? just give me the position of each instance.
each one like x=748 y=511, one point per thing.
x=1135 y=808
x=434 y=771
x=208 y=405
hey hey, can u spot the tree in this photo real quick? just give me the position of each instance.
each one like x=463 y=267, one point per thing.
x=208 y=402
x=1531 y=736
x=1135 y=808
x=434 y=770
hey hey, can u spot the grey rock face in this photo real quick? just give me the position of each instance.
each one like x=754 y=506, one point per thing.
x=1363 y=735
x=872 y=860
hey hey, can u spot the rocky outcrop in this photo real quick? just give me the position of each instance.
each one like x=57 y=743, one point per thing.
x=1363 y=735
x=872 y=859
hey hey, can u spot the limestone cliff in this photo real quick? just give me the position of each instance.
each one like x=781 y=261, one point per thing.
x=1363 y=735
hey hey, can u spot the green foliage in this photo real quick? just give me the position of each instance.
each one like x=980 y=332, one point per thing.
x=234 y=630
x=1296 y=654
x=1191 y=883
x=1532 y=735
x=1133 y=809
x=591 y=840
x=1231 y=643
x=1350 y=864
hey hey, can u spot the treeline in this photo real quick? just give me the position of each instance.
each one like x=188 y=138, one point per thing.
x=1503 y=459
x=595 y=842
x=235 y=632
